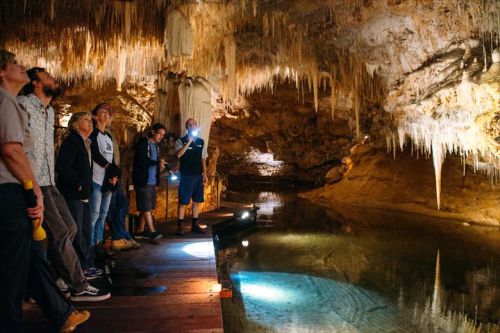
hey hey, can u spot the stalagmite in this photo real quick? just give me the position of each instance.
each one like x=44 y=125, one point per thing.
x=105 y=40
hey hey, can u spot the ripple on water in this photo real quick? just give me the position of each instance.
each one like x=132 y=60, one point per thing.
x=287 y=302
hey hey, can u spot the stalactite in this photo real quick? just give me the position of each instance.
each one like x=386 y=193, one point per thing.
x=436 y=296
x=438 y=156
x=52 y=10
x=265 y=25
x=121 y=66
x=178 y=35
x=230 y=58
x=128 y=19
x=195 y=102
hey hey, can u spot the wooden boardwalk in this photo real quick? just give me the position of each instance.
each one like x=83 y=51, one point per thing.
x=169 y=285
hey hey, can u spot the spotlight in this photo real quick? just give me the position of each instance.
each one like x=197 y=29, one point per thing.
x=244 y=243
x=245 y=215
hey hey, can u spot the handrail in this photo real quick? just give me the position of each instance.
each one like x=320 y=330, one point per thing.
x=214 y=185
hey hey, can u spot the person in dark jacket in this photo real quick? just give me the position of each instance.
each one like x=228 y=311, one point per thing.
x=74 y=181
x=146 y=177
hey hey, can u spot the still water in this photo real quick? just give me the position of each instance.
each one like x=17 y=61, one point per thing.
x=311 y=269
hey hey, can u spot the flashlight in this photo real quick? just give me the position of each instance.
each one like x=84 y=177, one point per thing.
x=195 y=132
x=173 y=176
x=245 y=215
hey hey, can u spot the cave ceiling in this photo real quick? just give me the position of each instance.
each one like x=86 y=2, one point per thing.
x=430 y=64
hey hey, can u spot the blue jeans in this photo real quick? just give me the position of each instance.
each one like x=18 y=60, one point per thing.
x=118 y=209
x=99 y=205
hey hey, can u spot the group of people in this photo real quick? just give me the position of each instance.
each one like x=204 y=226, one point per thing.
x=75 y=204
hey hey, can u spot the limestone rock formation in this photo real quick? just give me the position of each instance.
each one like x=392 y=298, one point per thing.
x=294 y=84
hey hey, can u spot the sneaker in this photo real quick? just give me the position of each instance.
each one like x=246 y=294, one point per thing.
x=154 y=235
x=133 y=244
x=90 y=294
x=141 y=235
x=120 y=245
x=195 y=227
x=93 y=273
x=180 y=230
x=63 y=287
x=76 y=318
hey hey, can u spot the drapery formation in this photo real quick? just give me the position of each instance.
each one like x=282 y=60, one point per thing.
x=181 y=98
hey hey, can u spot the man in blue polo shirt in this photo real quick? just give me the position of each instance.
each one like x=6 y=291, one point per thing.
x=193 y=171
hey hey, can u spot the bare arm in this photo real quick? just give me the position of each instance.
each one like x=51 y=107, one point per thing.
x=18 y=164
x=184 y=148
x=204 y=166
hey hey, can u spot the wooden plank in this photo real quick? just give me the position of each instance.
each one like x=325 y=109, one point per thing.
x=165 y=286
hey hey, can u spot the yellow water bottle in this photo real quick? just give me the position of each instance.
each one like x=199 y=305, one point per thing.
x=39 y=233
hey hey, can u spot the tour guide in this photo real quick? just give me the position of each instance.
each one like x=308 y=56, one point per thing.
x=193 y=171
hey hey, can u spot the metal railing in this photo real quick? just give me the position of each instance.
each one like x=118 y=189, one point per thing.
x=167 y=185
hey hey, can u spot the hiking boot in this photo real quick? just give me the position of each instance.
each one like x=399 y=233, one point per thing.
x=76 y=318
x=90 y=294
x=120 y=245
x=180 y=229
x=195 y=227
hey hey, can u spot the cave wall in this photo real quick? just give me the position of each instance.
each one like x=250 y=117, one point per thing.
x=279 y=134
x=374 y=178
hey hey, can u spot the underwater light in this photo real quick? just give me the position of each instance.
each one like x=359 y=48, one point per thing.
x=245 y=215
x=263 y=292
x=244 y=243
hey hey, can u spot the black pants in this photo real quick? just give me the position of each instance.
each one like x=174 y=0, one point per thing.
x=81 y=214
x=24 y=266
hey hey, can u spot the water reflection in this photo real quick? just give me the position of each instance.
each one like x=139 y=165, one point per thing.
x=391 y=259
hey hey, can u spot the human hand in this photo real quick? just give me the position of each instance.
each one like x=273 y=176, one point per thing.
x=36 y=213
x=205 y=179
